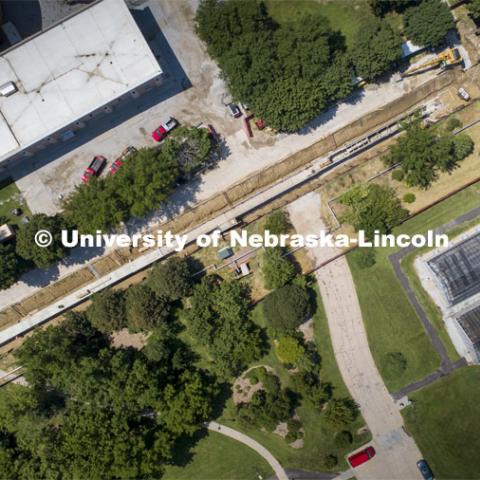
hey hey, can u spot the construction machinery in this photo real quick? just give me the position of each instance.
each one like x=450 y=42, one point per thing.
x=445 y=59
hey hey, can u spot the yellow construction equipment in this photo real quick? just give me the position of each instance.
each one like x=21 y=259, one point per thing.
x=445 y=59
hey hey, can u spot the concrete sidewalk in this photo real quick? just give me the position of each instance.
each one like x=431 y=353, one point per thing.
x=246 y=440
x=397 y=453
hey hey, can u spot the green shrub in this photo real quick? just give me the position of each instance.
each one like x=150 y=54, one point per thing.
x=330 y=461
x=453 y=123
x=278 y=223
x=343 y=439
x=398 y=175
x=395 y=364
x=289 y=350
x=409 y=198
x=364 y=257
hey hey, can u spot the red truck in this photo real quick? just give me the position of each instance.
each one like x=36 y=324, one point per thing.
x=95 y=168
x=162 y=131
x=120 y=160
x=361 y=457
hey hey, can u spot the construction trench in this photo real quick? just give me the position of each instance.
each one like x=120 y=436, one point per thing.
x=380 y=125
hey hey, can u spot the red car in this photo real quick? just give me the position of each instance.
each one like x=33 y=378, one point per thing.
x=121 y=159
x=95 y=168
x=361 y=457
x=162 y=131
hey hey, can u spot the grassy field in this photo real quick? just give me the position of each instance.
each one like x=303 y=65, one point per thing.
x=217 y=457
x=344 y=15
x=9 y=199
x=451 y=452
x=319 y=434
x=391 y=323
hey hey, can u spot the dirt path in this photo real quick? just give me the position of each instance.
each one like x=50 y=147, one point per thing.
x=397 y=453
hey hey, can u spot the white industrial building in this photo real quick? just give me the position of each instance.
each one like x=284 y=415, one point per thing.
x=54 y=82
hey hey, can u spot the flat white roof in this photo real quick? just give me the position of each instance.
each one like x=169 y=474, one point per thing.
x=69 y=70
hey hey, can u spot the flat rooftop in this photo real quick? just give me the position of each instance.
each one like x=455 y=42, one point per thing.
x=458 y=270
x=69 y=70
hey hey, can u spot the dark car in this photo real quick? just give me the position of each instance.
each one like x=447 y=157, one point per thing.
x=95 y=168
x=425 y=469
x=234 y=110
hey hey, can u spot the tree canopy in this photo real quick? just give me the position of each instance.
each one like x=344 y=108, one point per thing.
x=423 y=152
x=107 y=311
x=373 y=207
x=219 y=318
x=286 y=308
x=376 y=48
x=145 y=310
x=10 y=268
x=29 y=250
x=92 y=411
x=285 y=73
x=276 y=268
x=474 y=8
x=428 y=22
x=172 y=279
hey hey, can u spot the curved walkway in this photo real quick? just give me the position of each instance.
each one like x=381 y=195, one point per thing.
x=249 y=442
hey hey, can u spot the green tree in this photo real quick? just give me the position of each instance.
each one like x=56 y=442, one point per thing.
x=341 y=411
x=172 y=279
x=107 y=311
x=382 y=7
x=27 y=248
x=373 y=207
x=276 y=268
x=376 y=49
x=424 y=151
x=144 y=309
x=473 y=7
x=195 y=148
x=10 y=269
x=462 y=146
x=395 y=364
x=286 y=308
x=278 y=223
x=343 y=439
x=364 y=257
x=428 y=22
x=219 y=318
x=409 y=197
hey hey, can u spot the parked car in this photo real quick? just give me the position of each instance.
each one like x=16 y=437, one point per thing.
x=234 y=110
x=361 y=457
x=121 y=159
x=425 y=469
x=95 y=168
x=463 y=94
x=164 y=129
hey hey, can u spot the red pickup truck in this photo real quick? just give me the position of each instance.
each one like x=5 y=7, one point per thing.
x=121 y=159
x=162 y=131
x=95 y=168
x=361 y=457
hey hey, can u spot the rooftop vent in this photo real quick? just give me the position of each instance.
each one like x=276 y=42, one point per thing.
x=7 y=89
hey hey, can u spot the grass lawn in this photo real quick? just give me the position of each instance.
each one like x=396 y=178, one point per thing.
x=10 y=198
x=344 y=15
x=216 y=457
x=319 y=434
x=391 y=322
x=452 y=402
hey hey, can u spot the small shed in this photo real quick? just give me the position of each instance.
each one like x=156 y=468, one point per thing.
x=6 y=232
x=225 y=253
